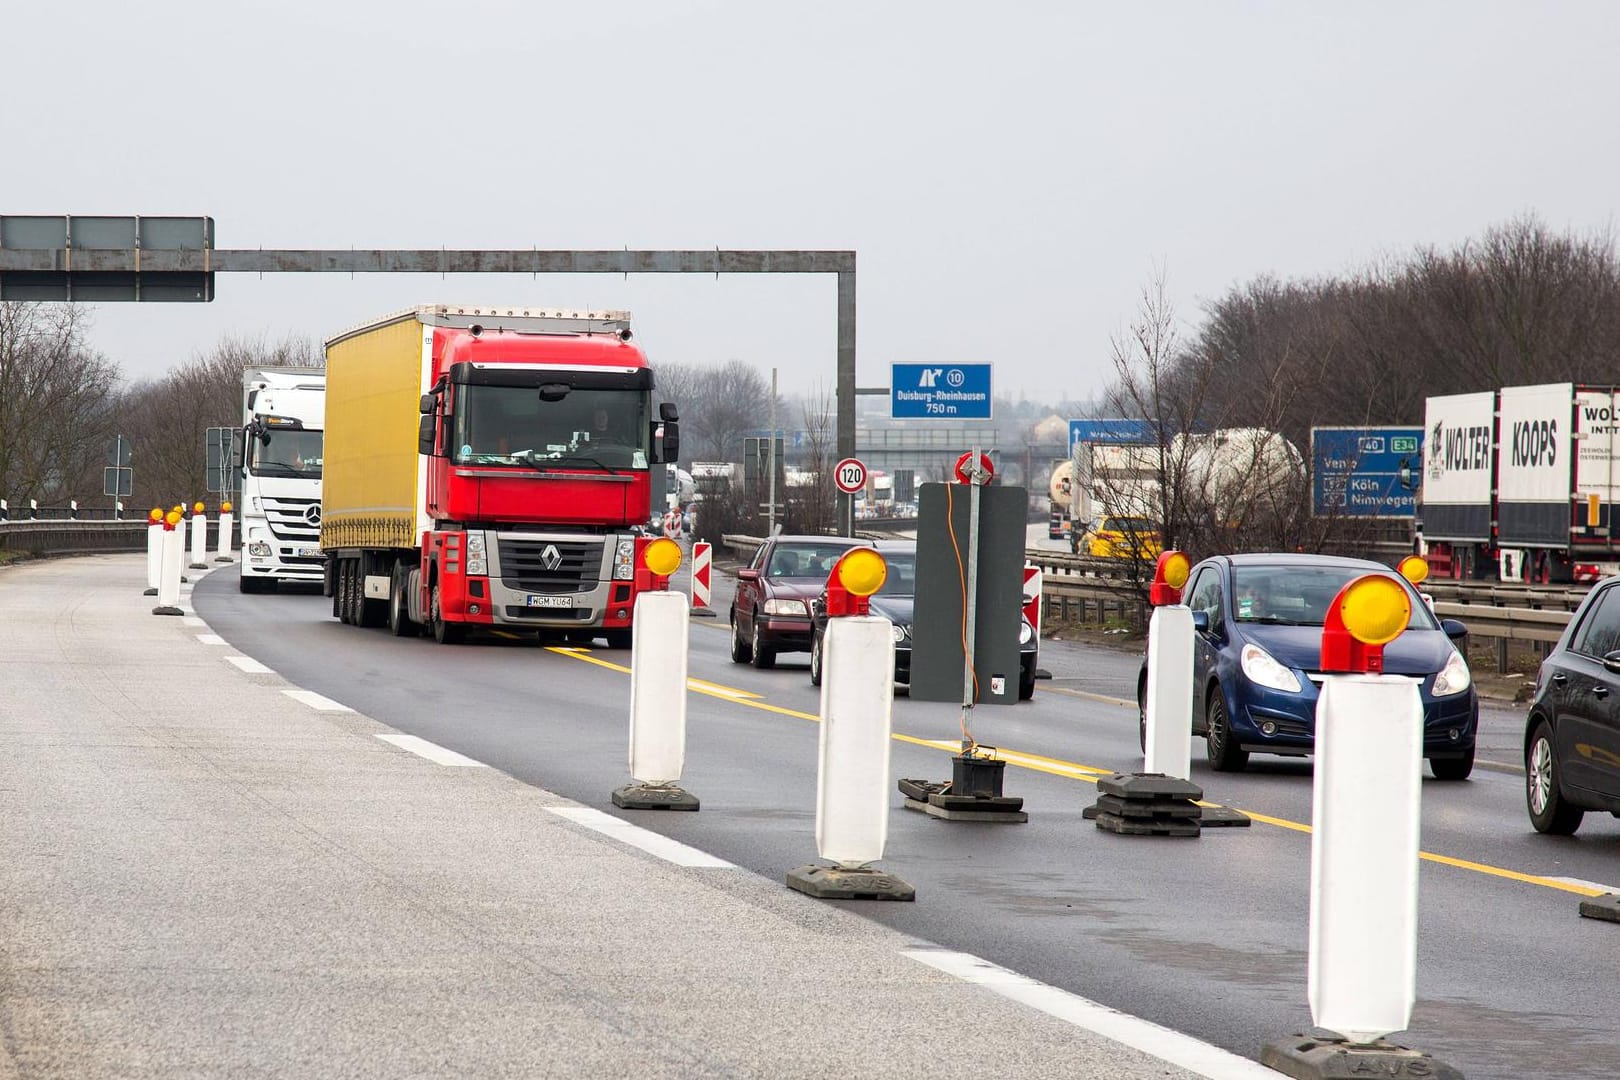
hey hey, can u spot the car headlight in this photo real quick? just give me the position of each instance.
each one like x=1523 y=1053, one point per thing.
x=1454 y=678
x=1262 y=668
x=1026 y=633
x=898 y=632
x=477 y=556
x=786 y=607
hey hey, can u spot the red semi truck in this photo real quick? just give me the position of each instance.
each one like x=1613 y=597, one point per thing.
x=491 y=467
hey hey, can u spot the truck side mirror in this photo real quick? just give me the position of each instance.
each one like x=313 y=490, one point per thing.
x=424 y=434
x=427 y=404
x=239 y=451
x=668 y=411
x=672 y=441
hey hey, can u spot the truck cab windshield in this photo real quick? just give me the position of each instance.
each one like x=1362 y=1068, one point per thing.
x=510 y=425
x=292 y=455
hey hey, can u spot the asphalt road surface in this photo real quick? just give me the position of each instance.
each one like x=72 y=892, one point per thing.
x=1206 y=936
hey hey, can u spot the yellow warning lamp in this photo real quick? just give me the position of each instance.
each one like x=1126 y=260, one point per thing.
x=198 y=507
x=172 y=518
x=858 y=574
x=225 y=508
x=1169 y=575
x=659 y=559
x=1366 y=615
x=155 y=517
x=1414 y=568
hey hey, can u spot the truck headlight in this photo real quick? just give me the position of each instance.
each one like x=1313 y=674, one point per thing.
x=1261 y=667
x=477 y=556
x=1455 y=677
x=786 y=607
x=624 y=559
x=259 y=549
x=898 y=632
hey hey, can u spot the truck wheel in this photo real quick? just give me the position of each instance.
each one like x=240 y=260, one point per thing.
x=618 y=639
x=371 y=612
x=255 y=584
x=399 y=608
x=340 y=601
x=445 y=633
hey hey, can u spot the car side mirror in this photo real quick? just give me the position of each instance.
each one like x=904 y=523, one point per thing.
x=749 y=574
x=424 y=435
x=1201 y=621
x=1611 y=661
x=1457 y=630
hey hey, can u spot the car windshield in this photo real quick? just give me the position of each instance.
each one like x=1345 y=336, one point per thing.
x=902 y=577
x=808 y=560
x=1301 y=595
x=511 y=425
x=1135 y=526
x=288 y=454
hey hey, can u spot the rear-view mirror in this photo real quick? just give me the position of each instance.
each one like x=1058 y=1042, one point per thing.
x=748 y=575
x=1454 y=629
x=1611 y=661
x=1201 y=621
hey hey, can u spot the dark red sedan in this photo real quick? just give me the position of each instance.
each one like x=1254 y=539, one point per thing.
x=771 y=611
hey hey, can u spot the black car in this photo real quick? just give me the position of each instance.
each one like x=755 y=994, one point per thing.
x=894 y=602
x=1572 y=733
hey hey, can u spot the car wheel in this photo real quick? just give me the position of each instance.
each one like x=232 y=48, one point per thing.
x=1549 y=813
x=815 y=658
x=1141 y=721
x=1224 y=754
x=445 y=633
x=1026 y=681
x=740 y=653
x=763 y=658
x=1453 y=768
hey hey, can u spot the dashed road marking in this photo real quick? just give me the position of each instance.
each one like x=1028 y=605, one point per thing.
x=316 y=701
x=249 y=665
x=432 y=751
x=652 y=843
x=210 y=639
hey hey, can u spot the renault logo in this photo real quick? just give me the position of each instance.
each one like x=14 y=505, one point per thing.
x=551 y=558
x=313 y=514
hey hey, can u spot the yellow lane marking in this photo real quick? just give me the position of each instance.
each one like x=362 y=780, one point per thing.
x=729 y=693
x=1073 y=771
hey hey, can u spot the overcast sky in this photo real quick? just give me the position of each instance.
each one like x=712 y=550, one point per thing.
x=1010 y=174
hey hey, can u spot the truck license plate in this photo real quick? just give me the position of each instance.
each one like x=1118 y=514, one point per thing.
x=551 y=601
x=309 y=552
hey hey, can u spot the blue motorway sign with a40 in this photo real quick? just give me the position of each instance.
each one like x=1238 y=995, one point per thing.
x=1366 y=471
x=939 y=391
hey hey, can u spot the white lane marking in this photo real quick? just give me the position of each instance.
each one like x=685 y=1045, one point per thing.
x=432 y=751
x=1584 y=884
x=192 y=620
x=250 y=665
x=652 y=843
x=316 y=701
x=1150 y=1038
x=210 y=639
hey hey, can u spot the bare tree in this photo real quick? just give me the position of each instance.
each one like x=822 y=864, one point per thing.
x=54 y=403
x=812 y=507
x=719 y=406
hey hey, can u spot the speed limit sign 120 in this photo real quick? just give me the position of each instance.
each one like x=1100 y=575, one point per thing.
x=850 y=475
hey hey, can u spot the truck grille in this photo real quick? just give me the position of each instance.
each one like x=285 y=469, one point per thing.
x=523 y=565
x=290 y=519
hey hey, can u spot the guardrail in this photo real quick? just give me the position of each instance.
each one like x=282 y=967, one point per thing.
x=39 y=536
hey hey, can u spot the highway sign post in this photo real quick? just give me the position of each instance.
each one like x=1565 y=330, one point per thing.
x=939 y=392
x=1366 y=471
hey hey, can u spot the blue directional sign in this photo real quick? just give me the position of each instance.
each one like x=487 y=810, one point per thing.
x=1116 y=430
x=1366 y=471
x=939 y=391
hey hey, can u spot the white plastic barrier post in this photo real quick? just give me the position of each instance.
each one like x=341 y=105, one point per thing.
x=658 y=654
x=857 y=700
x=1168 y=707
x=199 y=538
x=1366 y=801
x=225 y=523
x=154 y=554
x=173 y=556
x=178 y=554
x=702 y=574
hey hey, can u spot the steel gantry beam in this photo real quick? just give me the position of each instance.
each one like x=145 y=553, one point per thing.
x=85 y=264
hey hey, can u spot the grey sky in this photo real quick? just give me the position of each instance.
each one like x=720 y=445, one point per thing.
x=1009 y=173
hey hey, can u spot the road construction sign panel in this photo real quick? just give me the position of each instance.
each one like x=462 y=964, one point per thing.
x=939 y=391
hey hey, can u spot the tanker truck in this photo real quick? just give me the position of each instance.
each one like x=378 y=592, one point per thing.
x=491 y=468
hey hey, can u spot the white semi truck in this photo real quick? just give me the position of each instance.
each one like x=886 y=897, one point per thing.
x=1520 y=484
x=279 y=465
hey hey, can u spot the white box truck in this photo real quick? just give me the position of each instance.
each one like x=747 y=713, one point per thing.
x=283 y=430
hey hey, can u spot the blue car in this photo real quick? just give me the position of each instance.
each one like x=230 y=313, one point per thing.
x=1257 y=660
